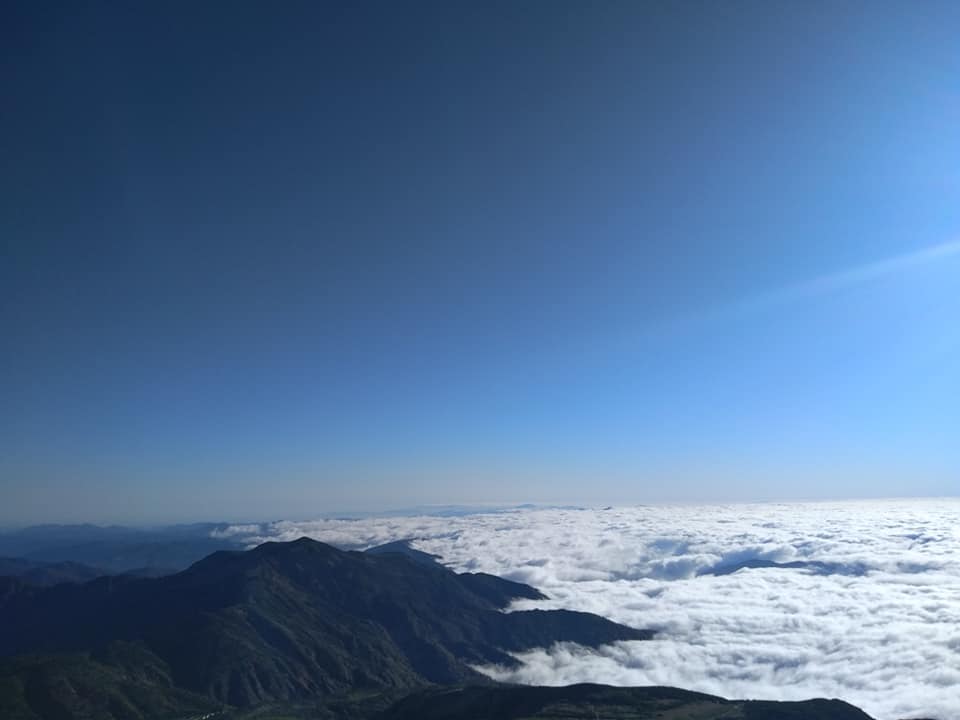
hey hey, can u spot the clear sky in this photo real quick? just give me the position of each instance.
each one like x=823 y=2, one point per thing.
x=278 y=259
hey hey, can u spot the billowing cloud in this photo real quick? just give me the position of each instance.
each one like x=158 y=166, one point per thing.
x=856 y=600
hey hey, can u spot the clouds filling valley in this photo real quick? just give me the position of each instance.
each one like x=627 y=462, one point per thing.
x=855 y=600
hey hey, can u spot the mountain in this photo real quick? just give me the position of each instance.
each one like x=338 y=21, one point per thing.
x=115 y=549
x=404 y=548
x=589 y=702
x=303 y=630
x=47 y=573
x=292 y=621
x=35 y=572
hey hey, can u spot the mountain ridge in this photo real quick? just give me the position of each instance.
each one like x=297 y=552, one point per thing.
x=304 y=630
x=588 y=701
x=287 y=621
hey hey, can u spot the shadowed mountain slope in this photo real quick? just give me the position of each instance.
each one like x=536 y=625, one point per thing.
x=75 y=687
x=48 y=573
x=294 y=620
x=589 y=702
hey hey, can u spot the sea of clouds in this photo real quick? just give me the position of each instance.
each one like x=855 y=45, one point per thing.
x=866 y=610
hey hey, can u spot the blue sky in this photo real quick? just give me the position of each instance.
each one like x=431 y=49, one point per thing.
x=322 y=257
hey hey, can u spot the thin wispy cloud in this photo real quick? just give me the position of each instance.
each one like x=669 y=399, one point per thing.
x=855 y=276
x=769 y=302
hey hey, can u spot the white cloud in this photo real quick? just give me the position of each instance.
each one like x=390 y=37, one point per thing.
x=871 y=615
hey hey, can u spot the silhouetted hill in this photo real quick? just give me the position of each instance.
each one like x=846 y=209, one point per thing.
x=295 y=620
x=588 y=702
x=75 y=688
x=815 y=567
x=403 y=547
x=46 y=573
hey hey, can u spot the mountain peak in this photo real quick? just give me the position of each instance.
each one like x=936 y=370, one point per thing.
x=300 y=544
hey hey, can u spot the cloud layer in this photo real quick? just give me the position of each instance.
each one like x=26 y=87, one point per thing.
x=856 y=600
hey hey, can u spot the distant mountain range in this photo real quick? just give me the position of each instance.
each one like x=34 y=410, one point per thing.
x=35 y=572
x=48 y=573
x=310 y=631
x=115 y=549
